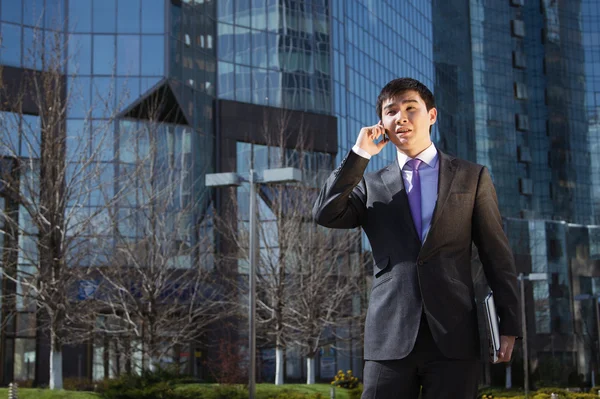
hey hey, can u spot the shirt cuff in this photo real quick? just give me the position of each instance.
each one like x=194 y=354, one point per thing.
x=359 y=151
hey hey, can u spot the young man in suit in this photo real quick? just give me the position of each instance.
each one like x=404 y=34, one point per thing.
x=422 y=213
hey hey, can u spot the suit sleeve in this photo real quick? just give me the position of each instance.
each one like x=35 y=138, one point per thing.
x=496 y=255
x=341 y=202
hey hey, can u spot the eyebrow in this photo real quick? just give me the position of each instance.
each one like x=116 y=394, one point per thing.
x=410 y=100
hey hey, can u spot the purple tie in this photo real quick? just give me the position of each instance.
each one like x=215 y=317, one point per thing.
x=414 y=196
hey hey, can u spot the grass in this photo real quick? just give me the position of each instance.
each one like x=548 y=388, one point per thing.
x=269 y=390
x=33 y=393
x=262 y=391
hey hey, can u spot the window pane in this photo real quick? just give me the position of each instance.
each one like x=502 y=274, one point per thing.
x=10 y=52
x=78 y=137
x=103 y=97
x=259 y=86
x=153 y=16
x=225 y=42
x=128 y=55
x=225 y=11
x=128 y=16
x=242 y=12
x=242 y=45
x=32 y=45
x=259 y=49
x=33 y=12
x=104 y=54
x=78 y=91
x=153 y=55
x=11 y=11
x=55 y=14
x=80 y=54
x=259 y=20
x=226 y=86
x=9 y=140
x=80 y=16
x=31 y=136
x=242 y=83
x=24 y=359
x=104 y=14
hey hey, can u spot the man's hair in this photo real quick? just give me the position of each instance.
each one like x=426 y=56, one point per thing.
x=401 y=85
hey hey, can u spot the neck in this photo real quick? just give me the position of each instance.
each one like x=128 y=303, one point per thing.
x=412 y=153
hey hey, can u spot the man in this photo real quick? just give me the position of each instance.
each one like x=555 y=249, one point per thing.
x=421 y=214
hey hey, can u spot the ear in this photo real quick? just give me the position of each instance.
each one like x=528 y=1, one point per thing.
x=432 y=115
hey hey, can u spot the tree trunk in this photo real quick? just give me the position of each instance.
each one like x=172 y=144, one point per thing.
x=310 y=370
x=508 y=383
x=56 y=377
x=279 y=366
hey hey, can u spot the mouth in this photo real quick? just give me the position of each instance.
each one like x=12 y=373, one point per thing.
x=402 y=132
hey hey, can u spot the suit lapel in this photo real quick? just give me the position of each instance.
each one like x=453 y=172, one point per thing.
x=446 y=177
x=394 y=183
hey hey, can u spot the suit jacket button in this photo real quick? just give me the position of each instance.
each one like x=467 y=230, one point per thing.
x=420 y=263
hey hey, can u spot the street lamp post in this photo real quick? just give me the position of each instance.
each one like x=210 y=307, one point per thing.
x=254 y=178
x=596 y=299
x=531 y=277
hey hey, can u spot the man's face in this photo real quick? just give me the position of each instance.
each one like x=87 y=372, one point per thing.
x=407 y=121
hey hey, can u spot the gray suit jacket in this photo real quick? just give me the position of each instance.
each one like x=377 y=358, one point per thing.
x=409 y=278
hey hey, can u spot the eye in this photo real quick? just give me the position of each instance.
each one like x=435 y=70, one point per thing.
x=410 y=108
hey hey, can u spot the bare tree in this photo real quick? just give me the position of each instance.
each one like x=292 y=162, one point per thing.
x=50 y=178
x=297 y=259
x=162 y=291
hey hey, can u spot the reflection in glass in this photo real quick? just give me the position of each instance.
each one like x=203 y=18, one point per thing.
x=226 y=82
x=225 y=49
x=24 y=364
x=259 y=49
x=225 y=11
x=242 y=45
x=242 y=12
x=259 y=16
x=259 y=87
x=243 y=83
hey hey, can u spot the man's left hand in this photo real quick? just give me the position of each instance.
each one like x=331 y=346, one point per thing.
x=507 y=343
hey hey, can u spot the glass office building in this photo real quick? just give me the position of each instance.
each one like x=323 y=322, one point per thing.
x=516 y=82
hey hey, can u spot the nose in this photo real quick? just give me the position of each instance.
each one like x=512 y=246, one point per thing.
x=402 y=119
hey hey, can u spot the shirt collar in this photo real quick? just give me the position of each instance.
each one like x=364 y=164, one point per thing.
x=429 y=156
